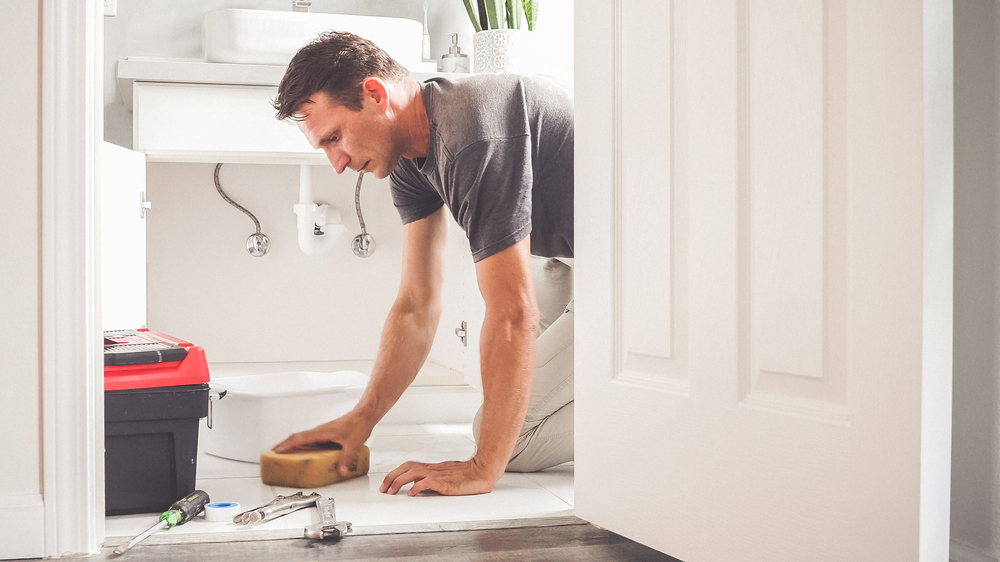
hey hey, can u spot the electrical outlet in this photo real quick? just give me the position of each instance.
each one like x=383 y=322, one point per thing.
x=110 y=8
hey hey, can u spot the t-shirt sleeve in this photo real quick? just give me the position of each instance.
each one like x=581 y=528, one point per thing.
x=492 y=193
x=414 y=197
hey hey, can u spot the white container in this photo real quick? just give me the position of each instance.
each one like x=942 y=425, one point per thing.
x=240 y=36
x=259 y=411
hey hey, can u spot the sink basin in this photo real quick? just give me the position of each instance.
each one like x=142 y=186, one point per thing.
x=270 y=37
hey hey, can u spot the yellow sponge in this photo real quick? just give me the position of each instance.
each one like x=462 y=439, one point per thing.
x=309 y=467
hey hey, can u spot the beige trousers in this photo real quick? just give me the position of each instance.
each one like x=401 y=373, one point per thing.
x=546 y=437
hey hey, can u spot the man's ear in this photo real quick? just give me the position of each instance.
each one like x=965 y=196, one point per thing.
x=375 y=89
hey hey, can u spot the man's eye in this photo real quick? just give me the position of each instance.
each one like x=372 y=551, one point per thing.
x=332 y=139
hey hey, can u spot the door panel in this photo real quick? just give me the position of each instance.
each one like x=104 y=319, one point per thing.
x=792 y=197
x=123 y=238
x=750 y=280
x=649 y=255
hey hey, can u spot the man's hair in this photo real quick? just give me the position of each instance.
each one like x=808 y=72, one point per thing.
x=336 y=63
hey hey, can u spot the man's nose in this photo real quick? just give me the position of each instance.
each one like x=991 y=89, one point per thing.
x=338 y=159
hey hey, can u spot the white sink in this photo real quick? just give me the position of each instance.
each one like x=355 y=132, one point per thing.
x=271 y=37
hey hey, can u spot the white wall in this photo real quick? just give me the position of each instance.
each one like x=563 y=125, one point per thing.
x=975 y=520
x=20 y=464
x=19 y=254
x=285 y=306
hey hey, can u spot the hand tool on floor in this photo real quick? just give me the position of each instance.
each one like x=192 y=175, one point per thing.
x=328 y=526
x=281 y=505
x=179 y=513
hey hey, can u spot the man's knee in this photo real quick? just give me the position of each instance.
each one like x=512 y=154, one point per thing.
x=541 y=445
x=548 y=444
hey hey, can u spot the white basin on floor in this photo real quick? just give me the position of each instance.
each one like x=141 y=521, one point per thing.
x=271 y=37
x=259 y=411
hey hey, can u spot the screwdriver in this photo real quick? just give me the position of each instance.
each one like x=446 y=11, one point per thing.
x=179 y=513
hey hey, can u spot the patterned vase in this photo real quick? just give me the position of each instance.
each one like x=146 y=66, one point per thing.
x=499 y=51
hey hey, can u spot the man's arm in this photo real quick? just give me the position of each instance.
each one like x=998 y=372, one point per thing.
x=406 y=340
x=507 y=356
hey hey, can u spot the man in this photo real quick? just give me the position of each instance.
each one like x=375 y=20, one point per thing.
x=497 y=151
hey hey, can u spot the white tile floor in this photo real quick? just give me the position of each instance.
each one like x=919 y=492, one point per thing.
x=542 y=494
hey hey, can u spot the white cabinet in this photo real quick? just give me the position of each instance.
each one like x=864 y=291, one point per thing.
x=186 y=111
x=214 y=122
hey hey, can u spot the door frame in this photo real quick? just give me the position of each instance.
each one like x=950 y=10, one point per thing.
x=72 y=397
x=939 y=268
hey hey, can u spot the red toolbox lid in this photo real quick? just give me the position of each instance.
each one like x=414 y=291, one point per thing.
x=145 y=359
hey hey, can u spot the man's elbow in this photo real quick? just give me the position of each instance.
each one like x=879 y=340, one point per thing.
x=519 y=319
x=425 y=310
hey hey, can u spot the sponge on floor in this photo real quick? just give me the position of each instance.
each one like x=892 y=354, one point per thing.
x=309 y=468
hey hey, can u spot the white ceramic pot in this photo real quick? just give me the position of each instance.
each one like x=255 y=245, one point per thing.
x=499 y=51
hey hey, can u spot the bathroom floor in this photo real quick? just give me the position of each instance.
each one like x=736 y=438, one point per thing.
x=546 y=494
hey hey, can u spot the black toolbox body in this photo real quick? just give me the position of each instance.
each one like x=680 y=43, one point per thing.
x=151 y=446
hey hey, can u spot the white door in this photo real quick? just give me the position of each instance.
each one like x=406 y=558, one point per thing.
x=763 y=277
x=123 y=238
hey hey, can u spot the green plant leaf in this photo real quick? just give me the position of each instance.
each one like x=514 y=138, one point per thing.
x=530 y=12
x=494 y=11
x=484 y=22
x=472 y=15
x=509 y=8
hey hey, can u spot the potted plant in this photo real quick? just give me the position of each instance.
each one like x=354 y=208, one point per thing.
x=501 y=43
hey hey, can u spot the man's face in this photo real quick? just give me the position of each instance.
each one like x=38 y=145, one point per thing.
x=359 y=140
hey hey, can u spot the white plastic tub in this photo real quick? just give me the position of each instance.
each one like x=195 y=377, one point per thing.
x=259 y=411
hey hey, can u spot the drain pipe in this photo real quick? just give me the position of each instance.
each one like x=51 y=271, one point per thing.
x=320 y=226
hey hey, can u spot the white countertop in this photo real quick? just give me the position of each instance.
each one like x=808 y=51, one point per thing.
x=193 y=71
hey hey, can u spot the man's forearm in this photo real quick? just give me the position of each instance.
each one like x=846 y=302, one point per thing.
x=405 y=344
x=507 y=357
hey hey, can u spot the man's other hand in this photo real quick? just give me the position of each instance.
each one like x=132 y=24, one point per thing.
x=450 y=478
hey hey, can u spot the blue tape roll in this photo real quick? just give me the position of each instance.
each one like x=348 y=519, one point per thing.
x=221 y=511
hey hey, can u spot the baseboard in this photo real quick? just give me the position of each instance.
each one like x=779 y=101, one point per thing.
x=22 y=526
x=959 y=552
x=435 y=404
x=430 y=374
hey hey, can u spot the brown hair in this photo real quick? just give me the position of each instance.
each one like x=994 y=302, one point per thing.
x=336 y=63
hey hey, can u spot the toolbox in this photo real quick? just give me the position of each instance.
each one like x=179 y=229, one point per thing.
x=155 y=392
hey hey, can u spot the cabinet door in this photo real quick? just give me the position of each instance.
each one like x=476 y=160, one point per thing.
x=215 y=123
x=123 y=238
x=763 y=277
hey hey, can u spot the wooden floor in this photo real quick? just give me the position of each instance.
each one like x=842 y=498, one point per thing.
x=576 y=543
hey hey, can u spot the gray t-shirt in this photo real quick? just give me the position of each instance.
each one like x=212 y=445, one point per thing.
x=500 y=157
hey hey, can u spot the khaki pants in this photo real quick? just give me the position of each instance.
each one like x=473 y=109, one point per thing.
x=546 y=437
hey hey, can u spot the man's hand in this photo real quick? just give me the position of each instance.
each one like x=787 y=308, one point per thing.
x=451 y=478
x=349 y=431
x=507 y=355
x=406 y=340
